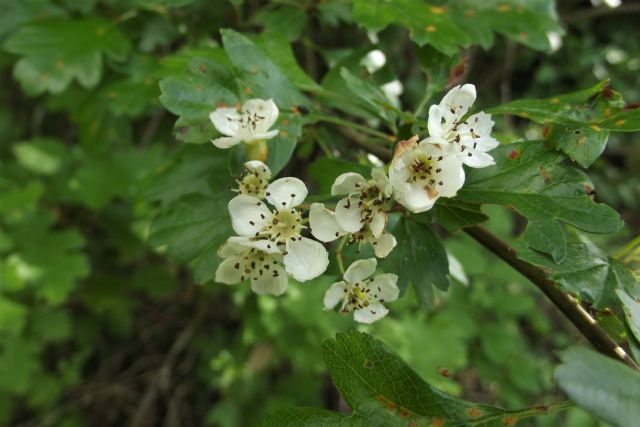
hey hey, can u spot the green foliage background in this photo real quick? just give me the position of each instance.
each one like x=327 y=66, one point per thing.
x=111 y=210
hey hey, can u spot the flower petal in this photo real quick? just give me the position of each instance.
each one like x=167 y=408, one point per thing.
x=263 y=113
x=230 y=271
x=256 y=166
x=286 y=192
x=273 y=282
x=381 y=178
x=416 y=199
x=226 y=121
x=451 y=175
x=347 y=183
x=375 y=311
x=305 y=259
x=233 y=246
x=323 y=223
x=248 y=215
x=434 y=122
x=384 y=287
x=477 y=159
x=378 y=221
x=334 y=295
x=266 y=135
x=360 y=270
x=349 y=215
x=458 y=100
x=384 y=244
x=225 y=142
x=264 y=245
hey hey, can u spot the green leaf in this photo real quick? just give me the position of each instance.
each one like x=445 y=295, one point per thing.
x=325 y=170
x=193 y=228
x=598 y=107
x=383 y=390
x=194 y=93
x=455 y=215
x=418 y=259
x=287 y=21
x=603 y=386
x=535 y=182
x=454 y=25
x=41 y=156
x=631 y=307
x=585 y=271
x=56 y=52
x=13 y=316
x=584 y=144
x=259 y=76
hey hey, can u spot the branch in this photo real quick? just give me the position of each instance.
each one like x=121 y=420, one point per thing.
x=567 y=304
x=596 y=12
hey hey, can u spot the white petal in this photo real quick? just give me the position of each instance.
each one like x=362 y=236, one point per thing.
x=384 y=287
x=378 y=221
x=305 y=259
x=360 y=270
x=459 y=99
x=323 y=223
x=233 y=246
x=265 y=113
x=374 y=60
x=347 y=183
x=248 y=215
x=225 y=142
x=334 y=295
x=273 y=282
x=381 y=178
x=349 y=215
x=266 y=135
x=370 y=314
x=286 y=192
x=456 y=270
x=481 y=123
x=416 y=199
x=227 y=272
x=384 y=244
x=259 y=167
x=226 y=121
x=477 y=159
x=434 y=122
x=264 y=245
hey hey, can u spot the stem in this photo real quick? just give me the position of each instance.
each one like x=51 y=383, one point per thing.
x=567 y=304
x=339 y=254
x=429 y=91
x=352 y=125
x=361 y=141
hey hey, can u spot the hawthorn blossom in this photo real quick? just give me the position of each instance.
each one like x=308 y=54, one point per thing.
x=420 y=173
x=243 y=260
x=469 y=139
x=254 y=180
x=278 y=231
x=374 y=60
x=362 y=214
x=250 y=125
x=361 y=294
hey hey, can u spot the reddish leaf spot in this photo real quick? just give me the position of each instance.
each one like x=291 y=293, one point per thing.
x=202 y=68
x=285 y=122
x=404 y=413
x=509 y=421
x=248 y=90
x=631 y=106
x=545 y=175
x=437 y=422
x=543 y=408
x=514 y=154
x=474 y=412
x=444 y=372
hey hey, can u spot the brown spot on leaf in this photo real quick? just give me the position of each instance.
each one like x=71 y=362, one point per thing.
x=248 y=90
x=595 y=127
x=620 y=122
x=474 y=412
x=444 y=372
x=509 y=421
x=542 y=408
x=202 y=68
x=514 y=154
x=198 y=88
x=545 y=175
x=437 y=422
x=504 y=8
x=430 y=28
x=404 y=413
x=438 y=10
x=470 y=12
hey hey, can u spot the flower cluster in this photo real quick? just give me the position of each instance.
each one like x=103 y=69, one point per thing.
x=421 y=172
x=267 y=217
x=362 y=214
x=269 y=242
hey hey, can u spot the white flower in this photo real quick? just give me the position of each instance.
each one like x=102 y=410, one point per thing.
x=250 y=124
x=363 y=295
x=255 y=179
x=242 y=261
x=362 y=214
x=421 y=173
x=392 y=92
x=279 y=231
x=469 y=139
x=374 y=60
